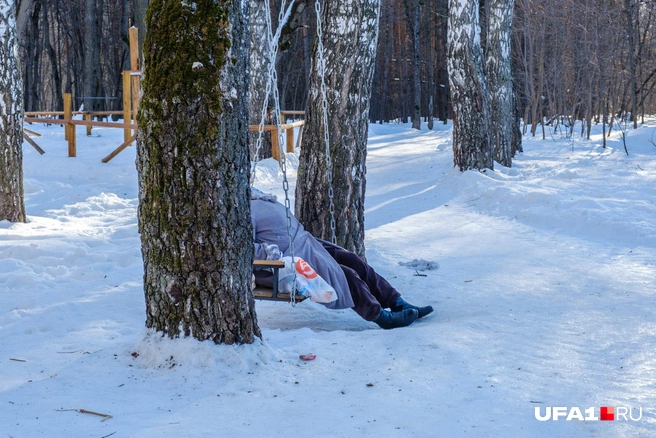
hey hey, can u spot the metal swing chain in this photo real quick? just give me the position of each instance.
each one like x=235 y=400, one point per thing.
x=324 y=106
x=272 y=54
x=272 y=87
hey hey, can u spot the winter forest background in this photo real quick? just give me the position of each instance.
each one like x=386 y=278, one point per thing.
x=571 y=59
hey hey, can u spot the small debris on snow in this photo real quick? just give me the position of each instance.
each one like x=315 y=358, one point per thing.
x=421 y=265
x=307 y=356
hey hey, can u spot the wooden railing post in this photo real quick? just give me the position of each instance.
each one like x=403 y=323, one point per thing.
x=275 y=144
x=127 y=112
x=134 y=70
x=69 y=128
x=289 y=138
x=87 y=117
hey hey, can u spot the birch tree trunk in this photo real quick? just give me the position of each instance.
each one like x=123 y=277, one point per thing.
x=500 y=79
x=350 y=31
x=192 y=158
x=472 y=146
x=259 y=75
x=12 y=205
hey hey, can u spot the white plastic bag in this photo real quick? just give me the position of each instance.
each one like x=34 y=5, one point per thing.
x=308 y=282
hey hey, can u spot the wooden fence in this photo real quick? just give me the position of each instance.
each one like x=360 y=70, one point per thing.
x=287 y=128
x=131 y=93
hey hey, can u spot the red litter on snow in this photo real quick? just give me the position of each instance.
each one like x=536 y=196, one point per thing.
x=307 y=356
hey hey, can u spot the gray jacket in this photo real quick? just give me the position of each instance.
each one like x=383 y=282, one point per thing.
x=270 y=226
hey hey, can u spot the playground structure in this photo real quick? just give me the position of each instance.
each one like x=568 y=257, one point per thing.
x=131 y=96
x=131 y=93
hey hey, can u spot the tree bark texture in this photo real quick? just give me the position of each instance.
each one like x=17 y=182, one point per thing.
x=500 y=79
x=350 y=31
x=92 y=74
x=472 y=147
x=139 y=9
x=631 y=8
x=192 y=158
x=413 y=17
x=12 y=205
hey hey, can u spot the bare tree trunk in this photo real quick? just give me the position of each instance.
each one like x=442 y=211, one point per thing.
x=383 y=110
x=472 y=147
x=505 y=124
x=55 y=66
x=413 y=17
x=536 y=107
x=192 y=158
x=500 y=80
x=431 y=69
x=350 y=31
x=630 y=12
x=12 y=205
x=30 y=41
x=92 y=72
x=140 y=8
x=516 y=141
x=259 y=71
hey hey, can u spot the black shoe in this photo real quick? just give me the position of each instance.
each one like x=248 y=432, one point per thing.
x=389 y=320
x=400 y=304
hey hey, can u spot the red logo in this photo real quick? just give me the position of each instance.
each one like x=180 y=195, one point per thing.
x=304 y=269
x=607 y=413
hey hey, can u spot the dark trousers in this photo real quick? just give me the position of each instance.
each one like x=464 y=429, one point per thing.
x=370 y=291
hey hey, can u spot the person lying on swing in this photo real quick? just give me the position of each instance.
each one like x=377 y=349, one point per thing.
x=357 y=285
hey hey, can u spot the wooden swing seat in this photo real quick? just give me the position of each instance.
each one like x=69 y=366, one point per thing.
x=272 y=294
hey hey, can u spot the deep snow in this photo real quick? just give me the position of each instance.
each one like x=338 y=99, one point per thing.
x=544 y=297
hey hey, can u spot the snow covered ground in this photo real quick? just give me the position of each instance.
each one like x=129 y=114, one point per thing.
x=544 y=298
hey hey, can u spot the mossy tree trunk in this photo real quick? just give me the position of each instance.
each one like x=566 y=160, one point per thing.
x=472 y=145
x=350 y=31
x=192 y=158
x=12 y=205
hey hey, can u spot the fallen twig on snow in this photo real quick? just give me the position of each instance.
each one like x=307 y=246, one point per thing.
x=84 y=411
